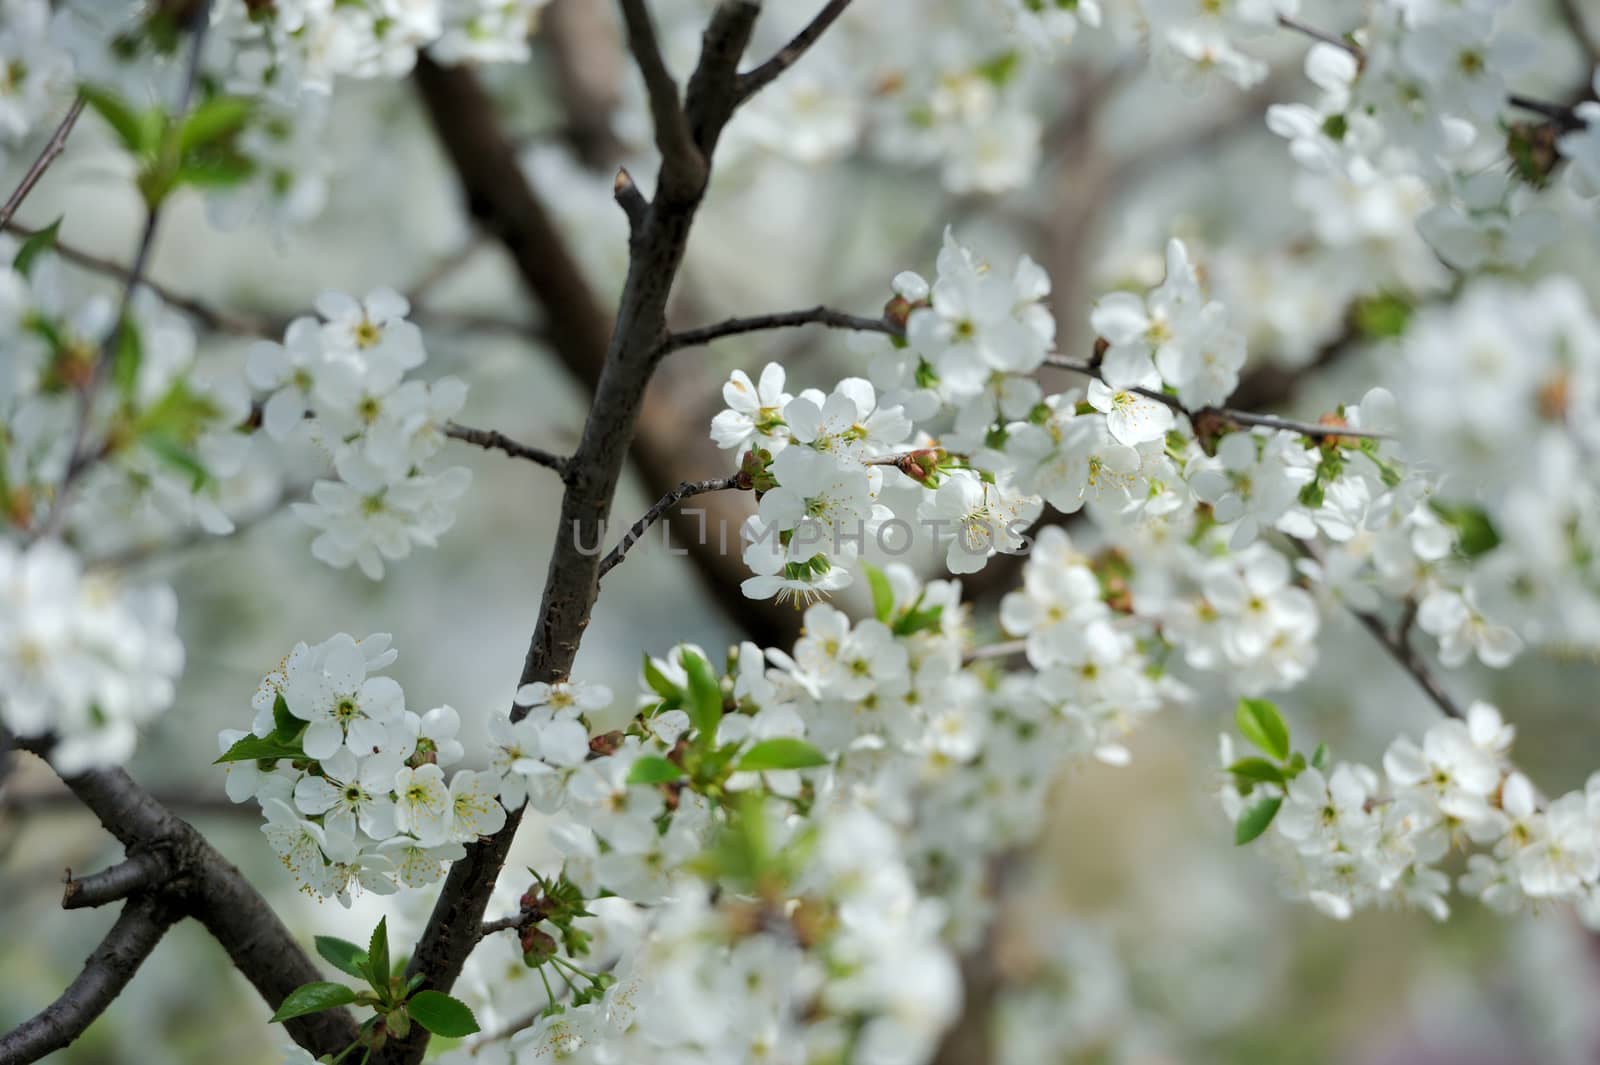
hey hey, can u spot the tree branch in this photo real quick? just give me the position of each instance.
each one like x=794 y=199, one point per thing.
x=138 y=871
x=493 y=440
x=1228 y=414
x=763 y=75
x=572 y=577
x=53 y=148
x=689 y=338
x=206 y=315
x=1400 y=649
x=139 y=927
x=659 y=510
x=681 y=157
x=205 y=885
x=516 y=922
x=504 y=203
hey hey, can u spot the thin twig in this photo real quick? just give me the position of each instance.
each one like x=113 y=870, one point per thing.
x=206 y=315
x=757 y=79
x=80 y=456
x=1267 y=421
x=493 y=440
x=136 y=872
x=516 y=922
x=1561 y=114
x=1321 y=35
x=659 y=510
x=689 y=338
x=53 y=148
x=1399 y=648
x=1396 y=640
x=440 y=271
x=1005 y=649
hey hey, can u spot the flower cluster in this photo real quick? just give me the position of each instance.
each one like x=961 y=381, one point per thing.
x=1350 y=837
x=339 y=382
x=351 y=782
x=38 y=72
x=159 y=449
x=820 y=455
x=84 y=659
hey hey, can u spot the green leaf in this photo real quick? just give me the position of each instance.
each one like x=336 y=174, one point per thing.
x=1001 y=68
x=652 y=769
x=781 y=752
x=917 y=620
x=175 y=454
x=42 y=241
x=214 y=171
x=256 y=748
x=1257 y=770
x=1475 y=533
x=123 y=119
x=313 y=998
x=1382 y=317
x=1319 y=757
x=658 y=681
x=213 y=120
x=378 y=955
x=286 y=727
x=343 y=955
x=705 y=696
x=1263 y=726
x=441 y=1014
x=882 y=593
x=1255 y=820
x=129 y=356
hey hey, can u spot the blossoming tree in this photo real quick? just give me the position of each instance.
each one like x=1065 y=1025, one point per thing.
x=787 y=849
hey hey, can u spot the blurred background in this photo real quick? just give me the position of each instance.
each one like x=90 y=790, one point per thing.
x=1137 y=932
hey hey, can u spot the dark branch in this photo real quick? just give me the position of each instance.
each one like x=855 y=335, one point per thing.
x=493 y=440
x=138 y=871
x=689 y=338
x=763 y=75
x=681 y=157
x=53 y=148
x=1400 y=649
x=139 y=927
x=205 y=885
x=464 y=120
x=1321 y=35
x=630 y=199
x=660 y=509
x=516 y=922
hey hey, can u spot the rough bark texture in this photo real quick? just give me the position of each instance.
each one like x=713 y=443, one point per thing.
x=500 y=197
x=139 y=927
x=198 y=883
